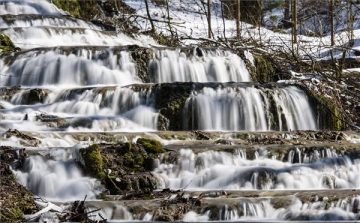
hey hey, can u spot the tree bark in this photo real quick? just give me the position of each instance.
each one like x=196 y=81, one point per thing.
x=148 y=14
x=294 y=9
x=223 y=20
x=351 y=23
x=168 y=17
x=238 y=15
x=209 y=18
x=287 y=10
x=332 y=15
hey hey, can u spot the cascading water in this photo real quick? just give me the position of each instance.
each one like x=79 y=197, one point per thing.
x=116 y=108
x=202 y=66
x=58 y=67
x=28 y=7
x=262 y=209
x=84 y=80
x=59 y=178
x=249 y=108
x=223 y=170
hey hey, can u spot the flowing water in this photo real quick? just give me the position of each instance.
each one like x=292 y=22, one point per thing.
x=87 y=80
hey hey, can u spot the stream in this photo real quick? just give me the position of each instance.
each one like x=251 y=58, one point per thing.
x=73 y=85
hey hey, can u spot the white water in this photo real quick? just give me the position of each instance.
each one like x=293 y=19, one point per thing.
x=85 y=67
x=210 y=66
x=33 y=37
x=86 y=90
x=117 y=109
x=252 y=210
x=63 y=68
x=57 y=179
x=248 y=108
x=222 y=170
x=50 y=21
x=18 y=7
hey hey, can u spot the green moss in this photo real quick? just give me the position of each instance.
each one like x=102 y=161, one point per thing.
x=127 y=146
x=12 y=215
x=6 y=45
x=264 y=69
x=129 y=160
x=170 y=100
x=329 y=113
x=151 y=145
x=93 y=160
x=82 y=9
x=149 y=197
x=141 y=56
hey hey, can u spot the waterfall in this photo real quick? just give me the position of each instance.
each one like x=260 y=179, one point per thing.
x=206 y=66
x=249 y=108
x=224 y=170
x=81 y=68
x=58 y=178
x=29 y=7
x=73 y=81
x=43 y=20
x=97 y=109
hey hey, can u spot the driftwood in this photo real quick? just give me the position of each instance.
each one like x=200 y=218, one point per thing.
x=77 y=213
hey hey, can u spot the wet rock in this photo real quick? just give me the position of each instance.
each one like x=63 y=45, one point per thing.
x=7 y=92
x=151 y=145
x=6 y=45
x=34 y=96
x=81 y=122
x=141 y=181
x=24 y=139
x=15 y=199
x=92 y=160
x=128 y=162
x=201 y=135
x=163 y=123
x=141 y=56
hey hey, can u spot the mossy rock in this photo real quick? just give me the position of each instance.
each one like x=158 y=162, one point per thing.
x=12 y=215
x=17 y=201
x=93 y=161
x=6 y=45
x=151 y=146
x=170 y=101
x=142 y=56
x=36 y=95
x=265 y=70
x=329 y=114
x=81 y=9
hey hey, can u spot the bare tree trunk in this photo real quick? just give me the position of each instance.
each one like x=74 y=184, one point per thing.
x=332 y=15
x=148 y=14
x=238 y=13
x=223 y=19
x=287 y=10
x=168 y=17
x=351 y=23
x=209 y=18
x=294 y=8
